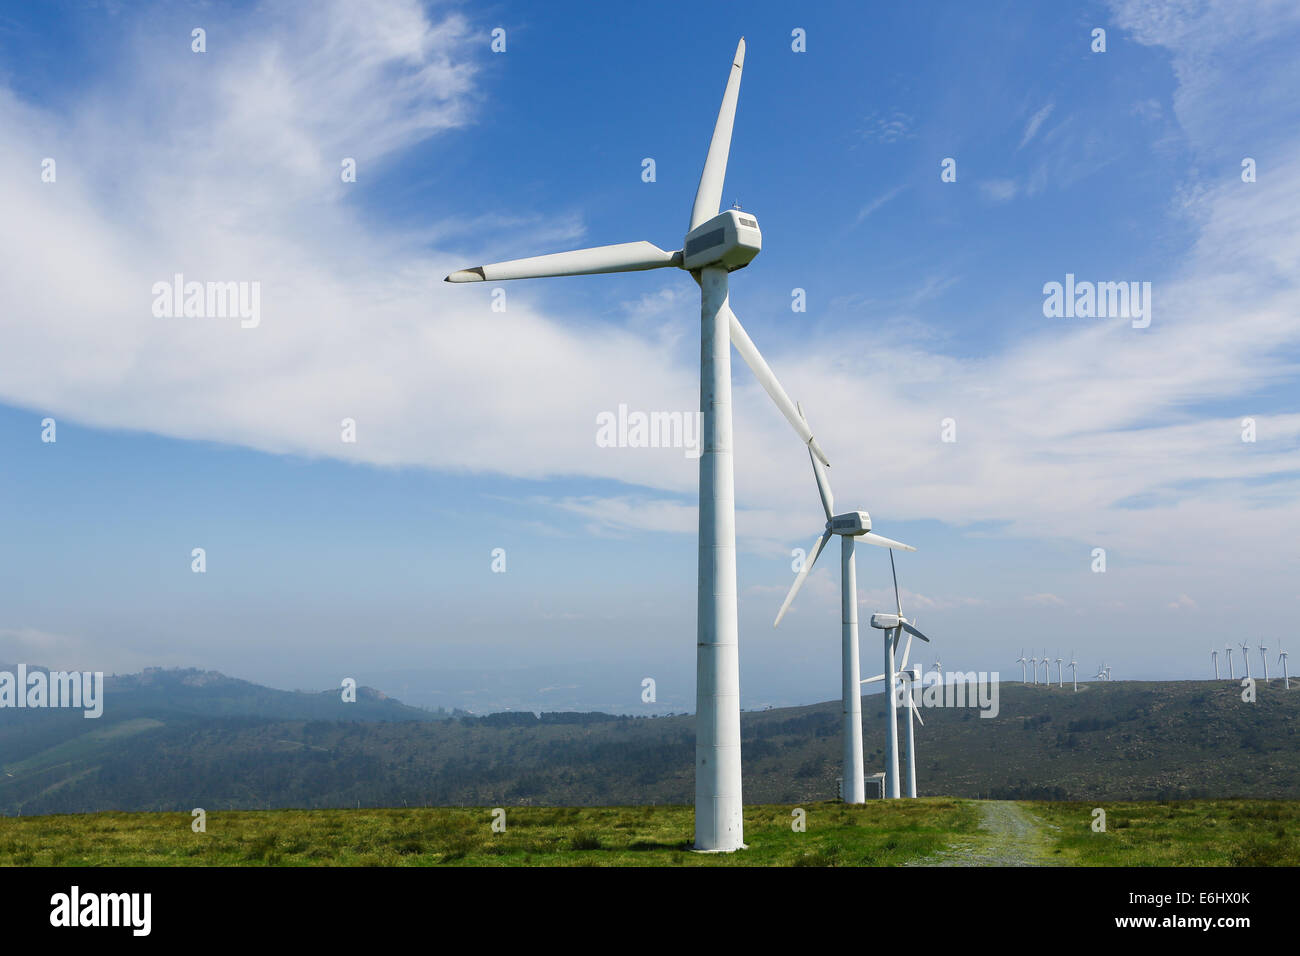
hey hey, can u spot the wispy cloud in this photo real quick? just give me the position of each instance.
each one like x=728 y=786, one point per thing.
x=998 y=190
x=1035 y=121
x=876 y=203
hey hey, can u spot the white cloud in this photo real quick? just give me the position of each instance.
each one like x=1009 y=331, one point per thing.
x=1087 y=431
x=998 y=190
x=876 y=203
x=1035 y=121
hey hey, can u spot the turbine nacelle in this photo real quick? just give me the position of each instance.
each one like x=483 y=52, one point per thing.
x=851 y=523
x=730 y=239
x=886 y=622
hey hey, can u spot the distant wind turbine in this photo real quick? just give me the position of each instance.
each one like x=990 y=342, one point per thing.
x=1060 y=670
x=1281 y=659
x=1263 y=652
x=1033 y=663
x=894 y=625
x=1214 y=656
x=1024 y=675
x=1074 y=671
x=1228 y=650
x=1245 y=656
x=850 y=526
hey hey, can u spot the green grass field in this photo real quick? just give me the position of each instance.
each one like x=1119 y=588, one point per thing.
x=1177 y=833
x=1223 y=833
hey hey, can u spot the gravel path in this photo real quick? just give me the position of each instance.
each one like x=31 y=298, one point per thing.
x=1008 y=837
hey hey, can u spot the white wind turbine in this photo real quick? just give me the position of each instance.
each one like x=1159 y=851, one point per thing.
x=1033 y=665
x=1263 y=652
x=894 y=625
x=909 y=680
x=1060 y=670
x=1074 y=671
x=1228 y=649
x=1047 y=670
x=1281 y=659
x=1214 y=656
x=851 y=527
x=715 y=245
x=1245 y=656
x=1024 y=675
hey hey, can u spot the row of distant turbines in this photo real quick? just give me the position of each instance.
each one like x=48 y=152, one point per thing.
x=1245 y=657
x=1103 y=672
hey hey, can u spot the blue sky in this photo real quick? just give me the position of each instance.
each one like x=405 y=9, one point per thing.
x=476 y=429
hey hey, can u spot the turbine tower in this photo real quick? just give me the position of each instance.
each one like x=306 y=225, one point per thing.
x=1033 y=664
x=909 y=678
x=1228 y=649
x=716 y=244
x=850 y=526
x=1281 y=659
x=904 y=682
x=1047 y=670
x=1214 y=656
x=1263 y=652
x=894 y=625
x=1074 y=671
x=1245 y=656
x=1060 y=670
x=1024 y=675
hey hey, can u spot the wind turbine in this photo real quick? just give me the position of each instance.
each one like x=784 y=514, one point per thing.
x=1281 y=659
x=716 y=244
x=1245 y=656
x=893 y=626
x=1047 y=670
x=1214 y=656
x=905 y=681
x=1033 y=663
x=1263 y=652
x=1102 y=672
x=1228 y=649
x=1074 y=671
x=1060 y=670
x=909 y=678
x=1024 y=676
x=850 y=526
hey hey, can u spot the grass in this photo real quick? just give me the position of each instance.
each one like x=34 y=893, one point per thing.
x=876 y=834
x=1175 y=833
x=1166 y=833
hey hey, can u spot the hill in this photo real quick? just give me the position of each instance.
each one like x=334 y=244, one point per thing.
x=173 y=742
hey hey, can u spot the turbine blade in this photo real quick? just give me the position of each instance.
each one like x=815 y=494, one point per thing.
x=915 y=710
x=823 y=486
x=872 y=680
x=880 y=541
x=803 y=573
x=763 y=372
x=709 y=194
x=907 y=650
x=897 y=600
x=914 y=632
x=623 y=257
